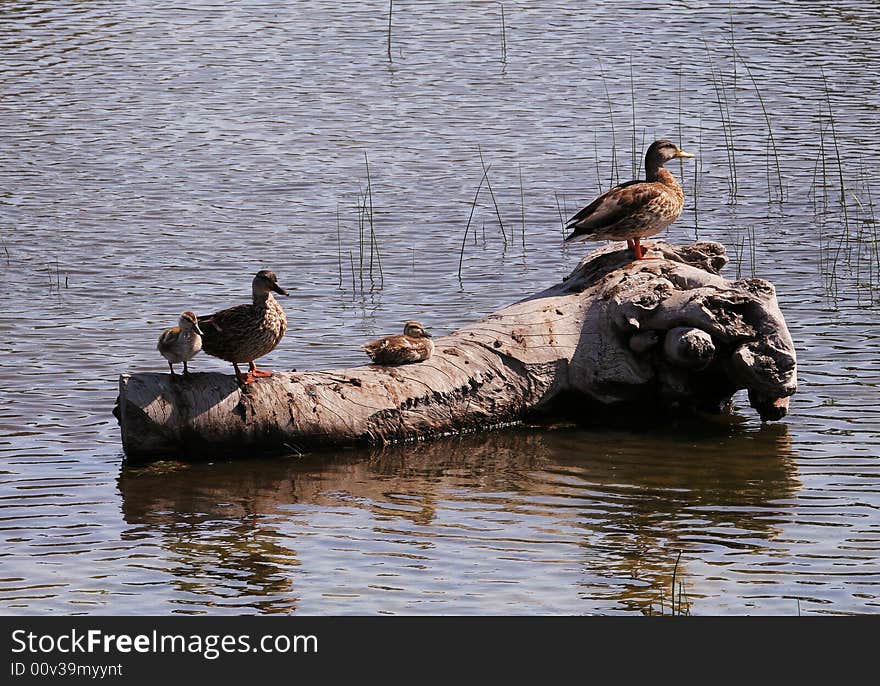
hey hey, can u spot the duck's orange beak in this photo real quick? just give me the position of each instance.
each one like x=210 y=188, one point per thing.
x=682 y=153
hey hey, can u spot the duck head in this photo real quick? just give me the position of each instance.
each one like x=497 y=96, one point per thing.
x=414 y=329
x=189 y=321
x=266 y=281
x=659 y=153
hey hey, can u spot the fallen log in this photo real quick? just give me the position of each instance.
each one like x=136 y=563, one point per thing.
x=663 y=334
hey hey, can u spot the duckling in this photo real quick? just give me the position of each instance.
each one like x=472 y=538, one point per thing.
x=246 y=332
x=635 y=209
x=182 y=342
x=415 y=345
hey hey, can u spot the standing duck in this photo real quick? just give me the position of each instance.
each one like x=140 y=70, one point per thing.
x=415 y=345
x=181 y=343
x=246 y=332
x=635 y=209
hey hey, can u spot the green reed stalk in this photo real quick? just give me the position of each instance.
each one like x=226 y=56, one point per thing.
x=360 y=211
x=726 y=125
x=503 y=37
x=836 y=153
x=824 y=164
x=674 y=573
x=615 y=172
x=732 y=43
x=769 y=126
x=698 y=165
x=470 y=217
x=522 y=209
x=559 y=212
x=374 y=239
x=680 y=136
x=632 y=97
x=753 y=262
x=351 y=262
x=338 y=246
x=492 y=194
x=872 y=221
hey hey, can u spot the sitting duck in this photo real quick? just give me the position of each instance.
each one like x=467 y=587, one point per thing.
x=415 y=345
x=635 y=209
x=246 y=332
x=182 y=342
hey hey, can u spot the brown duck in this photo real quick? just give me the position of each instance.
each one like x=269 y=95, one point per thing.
x=182 y=342
x=246 y=332
x=635 y=209
x=415 y=345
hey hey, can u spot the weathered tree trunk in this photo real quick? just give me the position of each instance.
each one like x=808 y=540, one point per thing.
x=661 y=333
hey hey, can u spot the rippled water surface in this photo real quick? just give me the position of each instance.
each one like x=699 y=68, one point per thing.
x=156 y=155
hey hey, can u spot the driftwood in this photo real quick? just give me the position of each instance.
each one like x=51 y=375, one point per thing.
x=651 y=336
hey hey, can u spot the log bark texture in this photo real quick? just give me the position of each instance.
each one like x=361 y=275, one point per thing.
x=666 y=333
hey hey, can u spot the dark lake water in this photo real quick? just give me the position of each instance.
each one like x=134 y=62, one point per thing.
x=156 y=155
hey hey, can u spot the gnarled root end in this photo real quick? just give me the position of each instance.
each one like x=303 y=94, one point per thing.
x=677 y=329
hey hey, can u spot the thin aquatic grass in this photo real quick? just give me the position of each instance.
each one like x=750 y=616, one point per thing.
x=843 y=205
x=360 y=211
x=470 y=218
x=338 y=246
x=522 y=209
x=615 y=171
x=374 y=239
x=844 y=238
x=698 y=167
x=818 y=164
x=726 y=124
x=632 y=97
x=680 y=134
x=732 y=43
x=503 y=37
x=492 y=194
x=769 y=125
x=559 y=212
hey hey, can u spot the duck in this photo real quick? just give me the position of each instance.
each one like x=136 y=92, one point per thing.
x=635 y=209
x=244 y=333
x=182 y=342
x=415 y=345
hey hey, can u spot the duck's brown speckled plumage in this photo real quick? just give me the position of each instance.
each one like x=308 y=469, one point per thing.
x=246 y=332
x=414 y=345
x=636 y=209
x=182 y=342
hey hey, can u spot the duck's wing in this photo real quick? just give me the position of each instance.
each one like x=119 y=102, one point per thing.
x=230 y=319
x=609 y=208
x=393 y=350
x=168 y=338
x=376 y=347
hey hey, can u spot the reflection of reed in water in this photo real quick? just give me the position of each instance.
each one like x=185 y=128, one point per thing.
x=621 y=505
x=680 y=493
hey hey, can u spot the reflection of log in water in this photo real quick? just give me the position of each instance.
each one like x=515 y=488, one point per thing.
x=620 y=498
x=657 y=334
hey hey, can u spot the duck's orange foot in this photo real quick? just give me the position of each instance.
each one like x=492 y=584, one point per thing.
x=257 y=373
x=639 y=251
x=250 y=377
